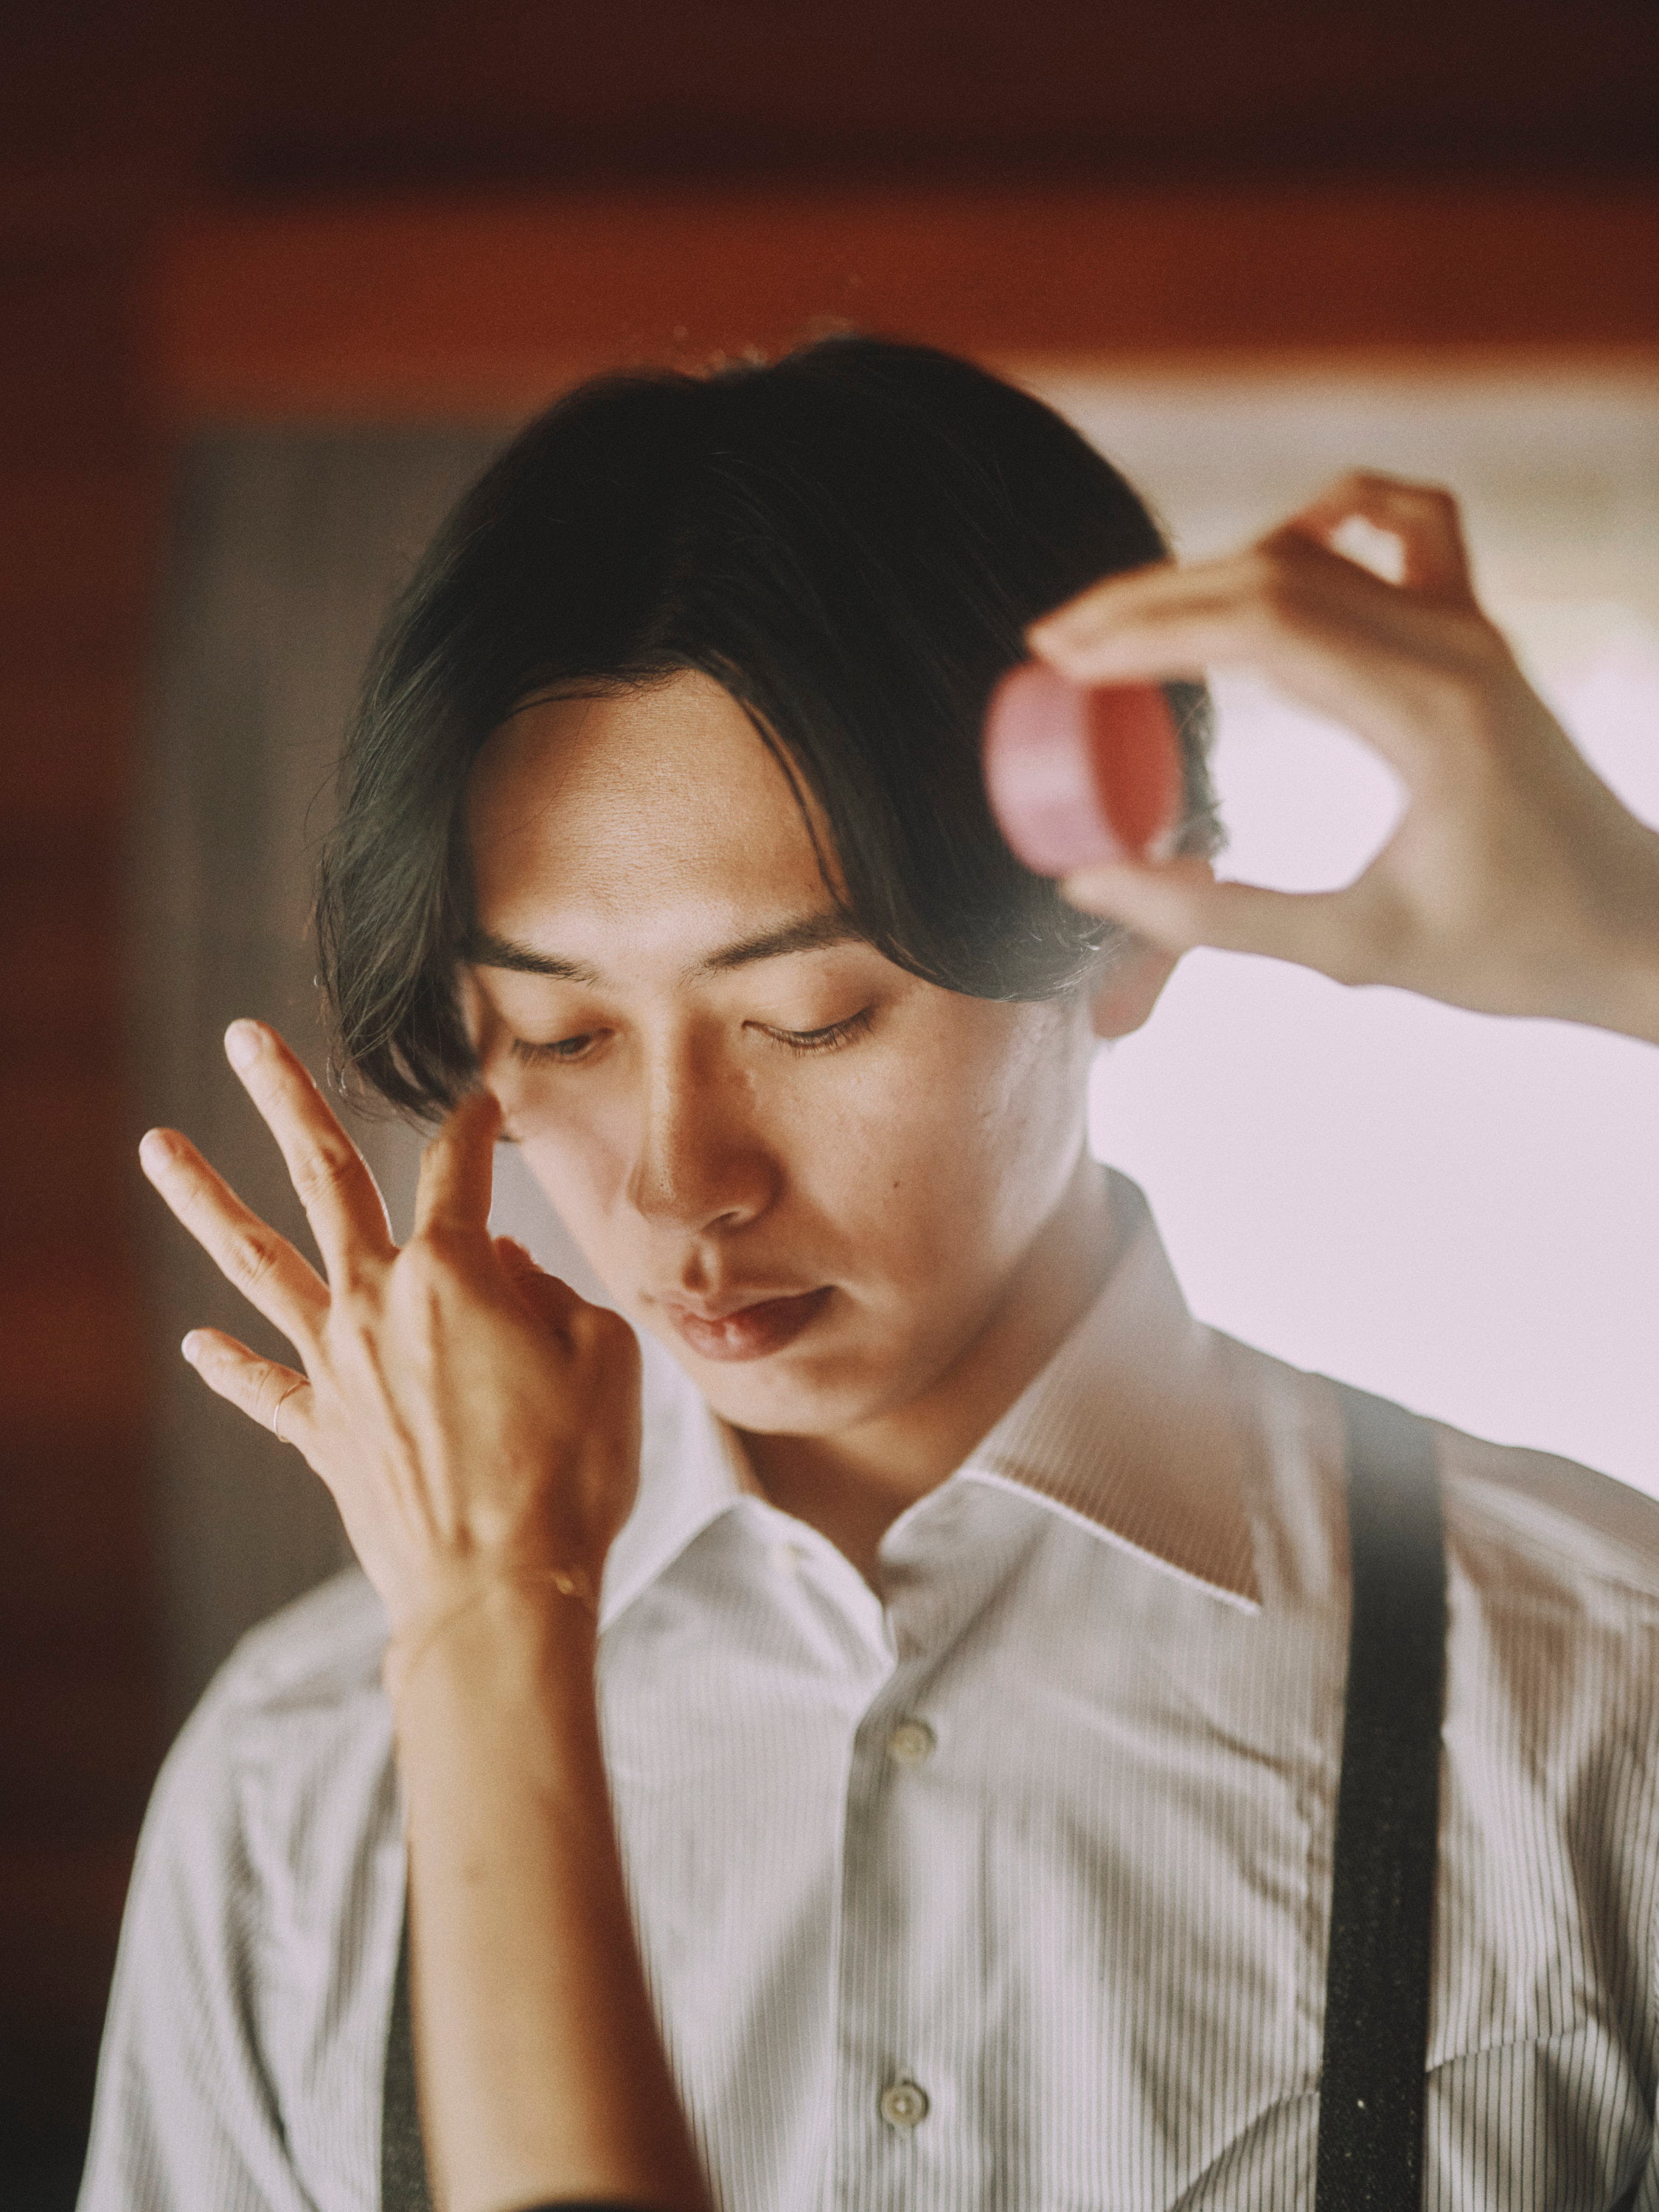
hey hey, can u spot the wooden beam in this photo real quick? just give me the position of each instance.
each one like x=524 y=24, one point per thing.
x=457 y=308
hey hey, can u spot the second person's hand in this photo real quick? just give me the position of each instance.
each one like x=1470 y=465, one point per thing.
x=1514 y=882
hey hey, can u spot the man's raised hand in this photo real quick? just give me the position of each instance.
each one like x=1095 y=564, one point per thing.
x=473 y=1418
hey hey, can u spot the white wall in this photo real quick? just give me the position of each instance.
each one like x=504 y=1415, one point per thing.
x=1461 y=1212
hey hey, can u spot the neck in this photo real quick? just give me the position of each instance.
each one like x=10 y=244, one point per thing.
x=853 y=1485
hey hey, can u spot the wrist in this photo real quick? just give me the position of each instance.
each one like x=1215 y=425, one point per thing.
x=506 y=1685
x=489 y=1618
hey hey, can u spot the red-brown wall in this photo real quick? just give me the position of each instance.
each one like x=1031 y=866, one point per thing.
x=78 y=487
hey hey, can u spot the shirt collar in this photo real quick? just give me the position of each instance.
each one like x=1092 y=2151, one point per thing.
x=1132 y=1429
x=692 y=1470
x=1129 y=1431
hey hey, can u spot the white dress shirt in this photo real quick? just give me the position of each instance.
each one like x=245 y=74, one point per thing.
x=1006 y=1890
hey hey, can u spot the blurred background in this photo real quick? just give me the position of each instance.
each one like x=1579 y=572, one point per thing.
x=274 y=281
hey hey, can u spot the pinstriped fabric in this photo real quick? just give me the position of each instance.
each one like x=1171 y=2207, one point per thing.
x=1041 y=1842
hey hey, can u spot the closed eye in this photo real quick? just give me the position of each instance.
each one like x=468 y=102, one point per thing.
x=571 y=1051
x=825 y=1040
x=564 y=1051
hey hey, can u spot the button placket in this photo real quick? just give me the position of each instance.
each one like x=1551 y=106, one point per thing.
x=916 y=2127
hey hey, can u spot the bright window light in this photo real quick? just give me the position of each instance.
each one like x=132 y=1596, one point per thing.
x=1459 y=1212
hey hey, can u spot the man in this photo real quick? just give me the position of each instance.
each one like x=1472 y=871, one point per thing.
x=972 y=1661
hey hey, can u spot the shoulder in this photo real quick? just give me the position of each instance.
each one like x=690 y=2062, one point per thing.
x=1533 y=1530
x=246 y=2021
x=324 y=1647
x=1553 y=1584
x=289 y=1747
x=1526 y=1530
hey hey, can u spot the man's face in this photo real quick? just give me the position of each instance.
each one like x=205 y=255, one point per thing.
x=807 y=1171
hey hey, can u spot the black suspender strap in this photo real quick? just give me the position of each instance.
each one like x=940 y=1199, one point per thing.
x=404 y=2184
x=1377 y=1980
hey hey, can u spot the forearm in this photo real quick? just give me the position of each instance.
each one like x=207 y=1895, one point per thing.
x=541 y=2073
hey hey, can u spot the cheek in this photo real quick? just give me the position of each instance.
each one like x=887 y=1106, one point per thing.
x=582 y=1179
x=576 y=1174
x=1020 y=1121
x=945 y=1153
x=575 y=1147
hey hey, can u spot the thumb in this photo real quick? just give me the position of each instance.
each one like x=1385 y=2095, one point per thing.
x=457 y=1169
x=544 y=1297
x=1165 y=904
x=516 y=1259
x=1179 y=906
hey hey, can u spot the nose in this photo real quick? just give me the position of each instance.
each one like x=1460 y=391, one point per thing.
x=701 y=1163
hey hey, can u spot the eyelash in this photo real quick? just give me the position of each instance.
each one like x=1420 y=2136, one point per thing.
x=800 y=1043
x=533 y=1054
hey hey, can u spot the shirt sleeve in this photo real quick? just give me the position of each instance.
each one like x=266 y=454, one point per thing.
x=185 y=2119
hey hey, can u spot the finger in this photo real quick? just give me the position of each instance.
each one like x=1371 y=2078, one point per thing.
x=1326 y=633
x=339 y=1195
x=275 y=1396
x=1095 y=637
x=248 y=1253
x=1164 y=905
x=1177 y=908
x=1095 y=616
x=547 y=1300
x=1225 y=614
x=1167 y=622
x=458 y=1170
x=1286 y=575
x=518 y=1263
x=1424 y=519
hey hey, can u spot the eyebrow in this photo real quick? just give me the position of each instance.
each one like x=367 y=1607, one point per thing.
x=812 y=932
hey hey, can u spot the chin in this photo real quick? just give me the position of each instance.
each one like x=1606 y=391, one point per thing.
x=793 y=1394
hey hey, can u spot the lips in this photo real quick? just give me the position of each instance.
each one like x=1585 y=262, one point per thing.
x=746 y=1332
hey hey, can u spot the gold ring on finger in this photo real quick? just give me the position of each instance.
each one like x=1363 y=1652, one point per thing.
x=276 y=1411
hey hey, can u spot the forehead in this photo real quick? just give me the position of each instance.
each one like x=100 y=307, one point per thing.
x=652 y=803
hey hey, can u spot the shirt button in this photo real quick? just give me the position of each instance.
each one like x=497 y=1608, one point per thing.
x=911 y=1744
x=904 y=2105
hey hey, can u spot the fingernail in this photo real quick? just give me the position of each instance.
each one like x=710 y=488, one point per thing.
x=191 y=1346
x=154 y=1151
x=242 y=1043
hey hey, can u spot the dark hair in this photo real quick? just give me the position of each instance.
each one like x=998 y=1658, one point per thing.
x=850 y=540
